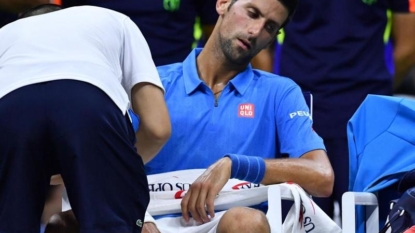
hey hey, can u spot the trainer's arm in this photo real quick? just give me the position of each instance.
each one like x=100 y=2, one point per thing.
x=155 y=129
x=149 y=224
x=141 y=79
x=17 y=6
x=403 y=35
x=150 y=227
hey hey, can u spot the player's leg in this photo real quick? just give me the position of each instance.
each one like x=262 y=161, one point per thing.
x=53 y=203
x=243 y=219
x=64 y=222
x=103 y=174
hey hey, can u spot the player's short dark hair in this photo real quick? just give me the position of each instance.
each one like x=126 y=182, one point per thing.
x=291 y=6
x=40 y=9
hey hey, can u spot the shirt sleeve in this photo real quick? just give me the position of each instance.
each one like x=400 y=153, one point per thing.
x=206 y=10
x=295 y=126
x=149 y=218
x=136 y=61
x=402 y=6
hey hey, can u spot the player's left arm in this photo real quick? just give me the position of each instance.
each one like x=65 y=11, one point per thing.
x=308 y=164
x=403 y=36
x=312 y=171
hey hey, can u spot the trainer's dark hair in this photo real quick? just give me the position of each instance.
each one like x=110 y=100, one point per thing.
x=40 y=9
x=290 y=5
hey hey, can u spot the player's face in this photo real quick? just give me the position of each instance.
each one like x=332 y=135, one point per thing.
x=248 y=26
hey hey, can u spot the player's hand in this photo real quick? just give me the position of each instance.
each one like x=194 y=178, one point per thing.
x=150 y=227
x=199 y=199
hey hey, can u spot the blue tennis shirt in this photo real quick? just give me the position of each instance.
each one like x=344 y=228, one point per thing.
x=257 y=114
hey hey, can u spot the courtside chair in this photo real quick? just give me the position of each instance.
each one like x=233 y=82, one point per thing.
x=381 y=138
x=279 y=193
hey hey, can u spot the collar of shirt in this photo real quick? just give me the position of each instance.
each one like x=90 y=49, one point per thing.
x=192 y=80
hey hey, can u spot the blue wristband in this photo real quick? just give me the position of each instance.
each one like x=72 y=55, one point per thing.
x=248 y=168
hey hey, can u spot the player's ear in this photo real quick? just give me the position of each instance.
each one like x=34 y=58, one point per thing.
x=222 y=6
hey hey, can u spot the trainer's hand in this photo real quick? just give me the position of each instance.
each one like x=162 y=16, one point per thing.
x=201 y=195
x=150 y=227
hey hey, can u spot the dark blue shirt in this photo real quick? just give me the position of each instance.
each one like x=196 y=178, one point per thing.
x=335 y=49
x=167 y=25
x=257 y=114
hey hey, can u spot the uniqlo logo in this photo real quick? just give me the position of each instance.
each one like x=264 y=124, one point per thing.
x=246 y=110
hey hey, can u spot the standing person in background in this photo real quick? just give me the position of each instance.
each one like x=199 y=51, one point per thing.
x=335 y=49
x=167 y=25
x=66 y=83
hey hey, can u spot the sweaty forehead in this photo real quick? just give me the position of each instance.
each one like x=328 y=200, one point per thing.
x=273 y=10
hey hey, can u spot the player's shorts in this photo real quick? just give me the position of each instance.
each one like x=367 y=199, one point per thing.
x=74 y=128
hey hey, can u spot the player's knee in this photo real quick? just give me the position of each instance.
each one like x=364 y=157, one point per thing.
x=56 y=224
x=248 y=220
x=64 y=222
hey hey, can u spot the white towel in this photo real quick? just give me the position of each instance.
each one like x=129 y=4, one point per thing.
x=236 y=193
x=305 y=216
x=167 y=190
